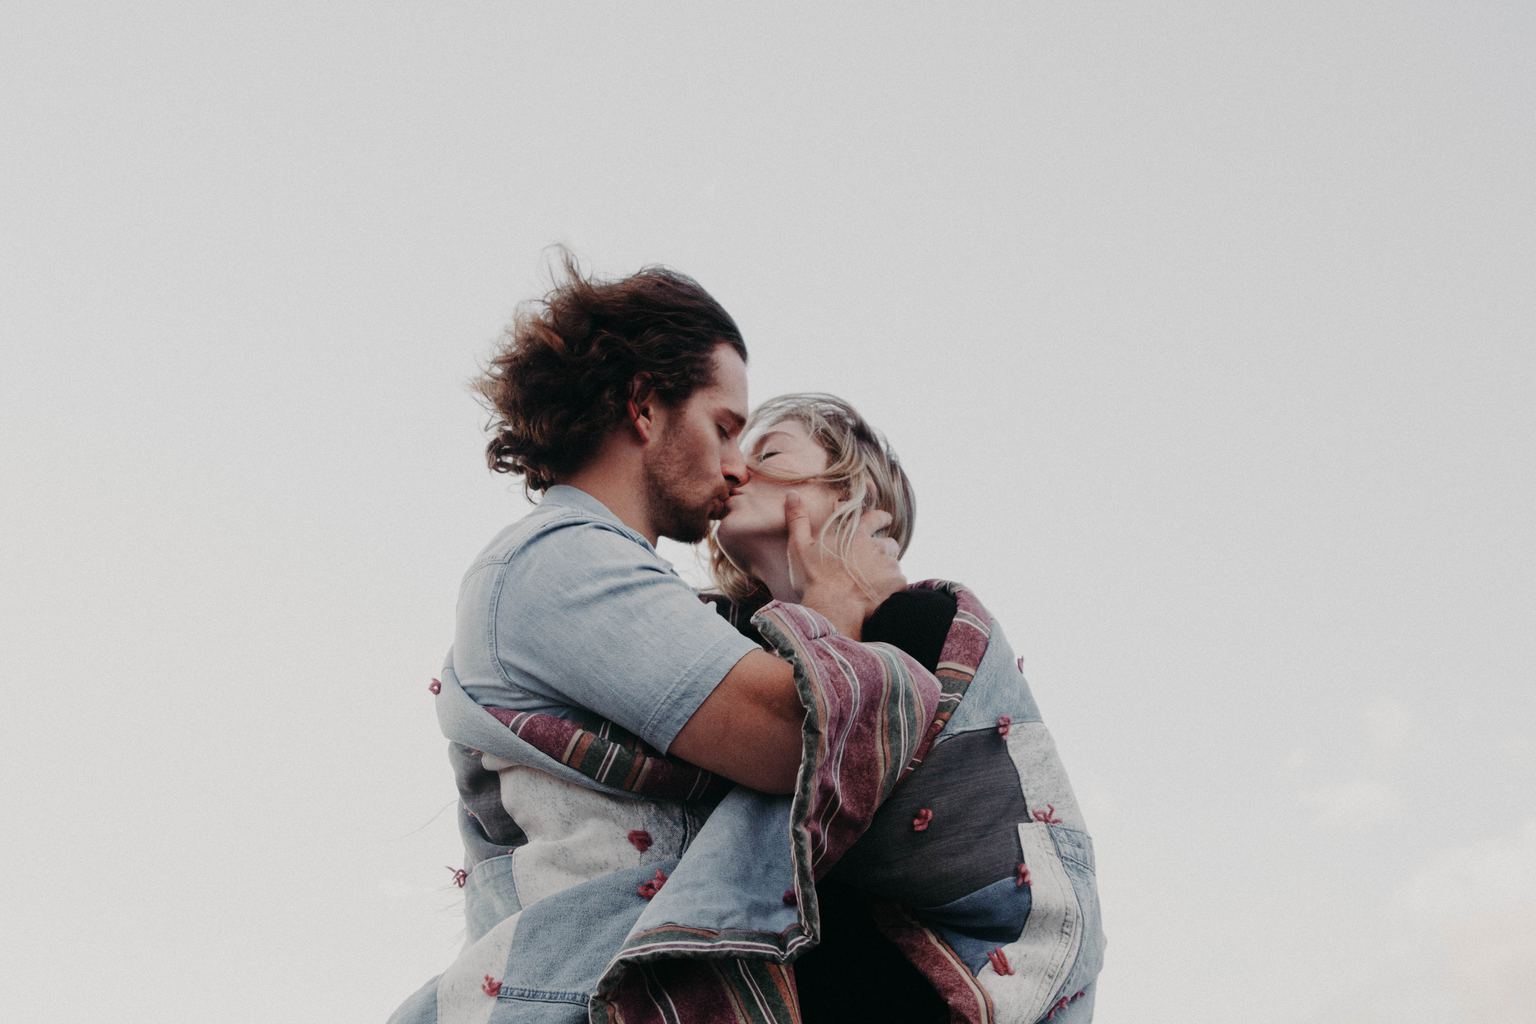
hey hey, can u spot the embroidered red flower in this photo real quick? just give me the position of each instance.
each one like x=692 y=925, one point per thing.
x=650 y=888
x=999 y=961
x=1048 y=816
x=1021 y=875
x=1004 y=723
x=490 y=986
x=923 y=819
x=435 y=686
x=460 y=876
x=640 y=839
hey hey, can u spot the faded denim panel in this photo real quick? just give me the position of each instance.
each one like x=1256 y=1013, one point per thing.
x=736 y=870
x=1077 y=858
x=1005 y=692
x=490 y=896
x=1041 y=960
x=549 y=972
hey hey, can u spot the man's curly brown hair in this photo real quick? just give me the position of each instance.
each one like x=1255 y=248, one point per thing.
x=562 y=375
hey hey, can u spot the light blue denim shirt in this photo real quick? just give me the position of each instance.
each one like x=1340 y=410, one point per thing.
x=569 y=608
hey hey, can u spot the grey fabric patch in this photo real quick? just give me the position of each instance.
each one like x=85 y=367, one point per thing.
x=487 y=829
x=970 y=784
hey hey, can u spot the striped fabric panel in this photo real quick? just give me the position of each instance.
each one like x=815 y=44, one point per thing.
x=761 y=991
x=946 y=972
x=733 y=991
x=607 y=754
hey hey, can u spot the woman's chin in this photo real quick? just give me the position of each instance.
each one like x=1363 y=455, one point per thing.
x=738 y=536
x=728 y=537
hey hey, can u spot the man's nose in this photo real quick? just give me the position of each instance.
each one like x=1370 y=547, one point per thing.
x=734 y=467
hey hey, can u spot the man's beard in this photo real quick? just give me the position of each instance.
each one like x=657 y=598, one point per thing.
x=671 y=516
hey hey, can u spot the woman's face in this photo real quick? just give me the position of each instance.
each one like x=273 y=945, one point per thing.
x=756 y=511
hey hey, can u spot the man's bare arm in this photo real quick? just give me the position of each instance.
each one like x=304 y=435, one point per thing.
x=748 y=729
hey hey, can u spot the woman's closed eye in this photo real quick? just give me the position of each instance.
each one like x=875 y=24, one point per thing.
x=765 y=456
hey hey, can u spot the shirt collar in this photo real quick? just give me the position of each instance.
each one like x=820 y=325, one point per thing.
x=566 y=496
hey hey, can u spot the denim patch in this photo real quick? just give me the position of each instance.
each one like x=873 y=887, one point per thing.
x=971 y=786
x=976 y=924
x=548 y=960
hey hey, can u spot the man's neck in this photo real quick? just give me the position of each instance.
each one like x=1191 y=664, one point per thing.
x=621 y=489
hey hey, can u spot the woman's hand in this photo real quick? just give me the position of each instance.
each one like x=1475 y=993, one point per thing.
x=848 y=592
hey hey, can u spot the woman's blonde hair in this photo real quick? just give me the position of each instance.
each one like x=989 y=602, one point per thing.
x=860 y=465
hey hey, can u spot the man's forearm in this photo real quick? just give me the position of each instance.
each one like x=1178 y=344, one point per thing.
x=748 y=728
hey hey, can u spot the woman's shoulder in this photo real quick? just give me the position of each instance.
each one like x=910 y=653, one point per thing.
x=917 y=620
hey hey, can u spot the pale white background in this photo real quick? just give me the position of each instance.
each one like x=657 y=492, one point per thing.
x=1204 y=329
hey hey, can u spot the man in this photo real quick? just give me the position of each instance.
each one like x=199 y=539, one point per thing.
x=622 y=402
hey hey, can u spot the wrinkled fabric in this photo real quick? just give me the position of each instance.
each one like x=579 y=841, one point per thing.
x=609 y=883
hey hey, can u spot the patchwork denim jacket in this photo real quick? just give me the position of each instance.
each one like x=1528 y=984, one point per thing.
x=605 y=882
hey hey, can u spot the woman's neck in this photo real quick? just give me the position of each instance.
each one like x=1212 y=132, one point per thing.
x=776 y=579
x=768 y=563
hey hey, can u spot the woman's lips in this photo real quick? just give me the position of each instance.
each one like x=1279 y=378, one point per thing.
x=721 y=508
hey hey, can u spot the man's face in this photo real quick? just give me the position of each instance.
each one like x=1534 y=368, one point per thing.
x=693 y=461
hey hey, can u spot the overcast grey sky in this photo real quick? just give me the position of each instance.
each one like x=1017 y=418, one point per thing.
x=1205 y=332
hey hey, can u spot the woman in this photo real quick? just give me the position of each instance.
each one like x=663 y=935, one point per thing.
x=977 y=867
x=819 y=447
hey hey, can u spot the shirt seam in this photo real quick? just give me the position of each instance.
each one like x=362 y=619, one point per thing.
x=690 y=676
x=542 y=995
x=578 y=517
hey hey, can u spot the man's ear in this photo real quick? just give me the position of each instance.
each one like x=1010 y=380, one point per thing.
x=641 y=407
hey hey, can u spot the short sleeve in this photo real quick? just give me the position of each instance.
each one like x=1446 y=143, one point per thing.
x=587 y=616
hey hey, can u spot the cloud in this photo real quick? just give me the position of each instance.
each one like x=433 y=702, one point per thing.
x=1492 y=954
x=1486 y=876
x=1481 y=899
x=1357 y=784
x=1359 y=802
x=1388 y=726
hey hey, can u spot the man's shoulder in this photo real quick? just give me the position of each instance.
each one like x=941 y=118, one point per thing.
x=564 y=537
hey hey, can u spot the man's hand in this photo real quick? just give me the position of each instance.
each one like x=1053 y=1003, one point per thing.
x=847 y=593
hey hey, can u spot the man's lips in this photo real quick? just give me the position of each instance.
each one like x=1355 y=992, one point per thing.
x=722 y=508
